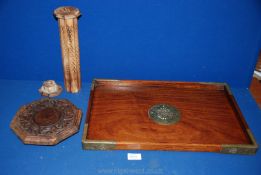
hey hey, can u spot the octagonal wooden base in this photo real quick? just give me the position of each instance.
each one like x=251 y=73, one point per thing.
x=46 y=121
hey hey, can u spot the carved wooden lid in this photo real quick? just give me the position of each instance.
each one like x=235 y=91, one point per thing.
x=46 y=121
x=67 y=12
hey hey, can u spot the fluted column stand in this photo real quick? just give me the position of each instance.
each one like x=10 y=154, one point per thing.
x=68 y=25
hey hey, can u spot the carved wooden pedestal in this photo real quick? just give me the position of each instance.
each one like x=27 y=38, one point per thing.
x=46 y=122
x=68 y=24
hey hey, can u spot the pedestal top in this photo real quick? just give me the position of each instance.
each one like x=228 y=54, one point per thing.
x=67 y=12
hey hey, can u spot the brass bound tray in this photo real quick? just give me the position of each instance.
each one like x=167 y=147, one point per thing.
x=161 y=115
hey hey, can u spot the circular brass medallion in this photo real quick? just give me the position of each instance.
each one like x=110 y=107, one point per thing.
x=164 y=114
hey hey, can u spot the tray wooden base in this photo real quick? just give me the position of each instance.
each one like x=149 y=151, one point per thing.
x=210 y=120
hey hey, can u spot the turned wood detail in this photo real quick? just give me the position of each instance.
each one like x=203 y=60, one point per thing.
x=68 y=27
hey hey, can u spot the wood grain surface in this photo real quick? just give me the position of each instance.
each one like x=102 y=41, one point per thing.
x=255 y=89
x=210 y=117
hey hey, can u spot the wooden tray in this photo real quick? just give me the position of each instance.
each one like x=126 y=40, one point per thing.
x=210 y=120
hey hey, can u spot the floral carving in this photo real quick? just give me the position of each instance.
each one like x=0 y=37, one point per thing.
x=46 y=120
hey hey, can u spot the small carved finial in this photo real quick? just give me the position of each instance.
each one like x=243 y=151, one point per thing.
x=50 y=89
x=67 y=12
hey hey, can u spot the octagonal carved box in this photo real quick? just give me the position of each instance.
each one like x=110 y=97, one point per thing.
x=46 y=121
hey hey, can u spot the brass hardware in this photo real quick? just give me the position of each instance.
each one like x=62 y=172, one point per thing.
x=96 y=144
x=99 y=145
x=93 y=84
x=241 y=148
x=164 y=114
x=84 y=135
x=228 y=89
x=225 y=85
